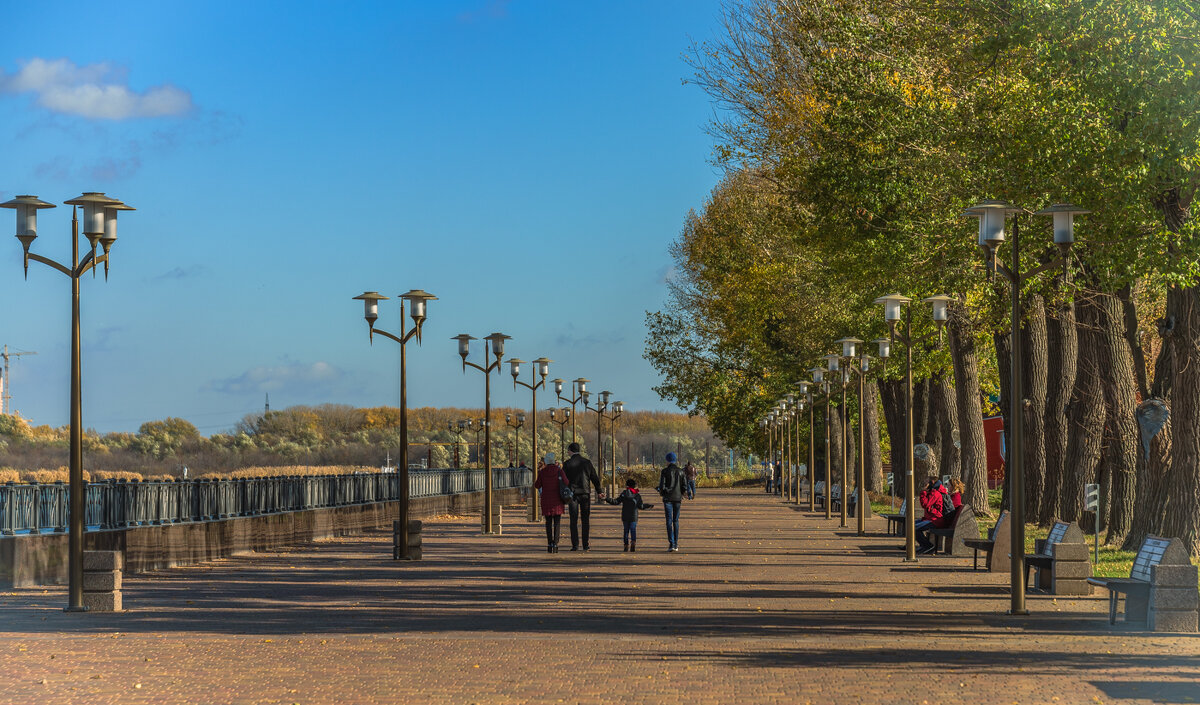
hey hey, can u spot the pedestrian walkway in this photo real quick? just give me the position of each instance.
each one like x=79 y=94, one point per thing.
x=764 y=603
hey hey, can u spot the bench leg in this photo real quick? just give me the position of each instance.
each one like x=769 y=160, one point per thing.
x=1113 y=596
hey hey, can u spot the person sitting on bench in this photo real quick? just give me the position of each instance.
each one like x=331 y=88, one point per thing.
x=934 y=499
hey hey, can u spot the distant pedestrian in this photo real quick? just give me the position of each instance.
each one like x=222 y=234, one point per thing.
x=671 y=485
x=630 y=501
x=689 y=471
x=550 y=477
x=580 y=471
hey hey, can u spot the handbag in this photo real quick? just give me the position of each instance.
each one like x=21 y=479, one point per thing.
x=565 y=493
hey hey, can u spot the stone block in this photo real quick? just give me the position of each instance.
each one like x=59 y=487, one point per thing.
x=1072 y=587
x=1136 y=606
x=414 y=554
x=1174 y=598
x=103 y=560
x=1173 y=621
x=414 y=526
x=496 y=520
x=103 y=601
x=1069 y=552
x=414 y=540
x=105 y=581
x=1173 y=575
x=1072 y=569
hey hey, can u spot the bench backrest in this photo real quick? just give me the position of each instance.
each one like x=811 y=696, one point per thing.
x=819 y=488
x=998 y=525
x=1057 y=534
x=1151 y=553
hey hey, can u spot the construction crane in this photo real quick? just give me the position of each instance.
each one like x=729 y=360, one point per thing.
x=5 y=386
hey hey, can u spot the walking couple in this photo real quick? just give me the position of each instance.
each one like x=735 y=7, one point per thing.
x=566 y=487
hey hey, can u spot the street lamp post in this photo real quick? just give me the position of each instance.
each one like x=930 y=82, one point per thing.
x=860 y=371
x=508 y=421
x=894 y=307
x=834 y=362
x=617 y=409
x=812 y=457
x=579 y=393
x=849 y=353
x=416 y=300
x=100 y=227
x=818 y=375
x=562 y=417
x=495 y=347
x=786 y=405
x=457 y=431
x=541 y=368
x=601 y=405
x=992 y=216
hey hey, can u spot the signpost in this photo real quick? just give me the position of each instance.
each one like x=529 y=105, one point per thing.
x=1091 y=502
x=892 y=490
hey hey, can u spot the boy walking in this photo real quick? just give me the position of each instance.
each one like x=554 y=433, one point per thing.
x=672 y=486
x=630 y=501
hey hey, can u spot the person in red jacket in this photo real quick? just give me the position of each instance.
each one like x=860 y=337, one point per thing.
x=550 y=476
x=931 y=501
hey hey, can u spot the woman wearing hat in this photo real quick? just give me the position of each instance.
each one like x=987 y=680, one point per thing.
x=672 y=484
x=550 y=476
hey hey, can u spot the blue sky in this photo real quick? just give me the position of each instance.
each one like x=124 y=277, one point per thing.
x=527 y=162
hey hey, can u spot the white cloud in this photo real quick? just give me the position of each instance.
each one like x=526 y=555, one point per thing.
x=98 y=91
x=290 y=376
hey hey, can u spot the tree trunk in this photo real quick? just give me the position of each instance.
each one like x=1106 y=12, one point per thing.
x=835 y=444
x=1033 y=405
x=871 y=453
x=972 y=446
x=926 y=465
x=1085 y=415
x=920 y=410
x=1181 y=517
x=948 y=416
x=891 y=394
x=1119 y=381
x=1062 y=344
x=1154 y=435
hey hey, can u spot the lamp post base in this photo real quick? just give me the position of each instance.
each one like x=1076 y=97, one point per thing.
x=1020 y=613
x=75 y=609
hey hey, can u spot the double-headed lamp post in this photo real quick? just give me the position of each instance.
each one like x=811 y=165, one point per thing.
x=615 y=410
x=807 y=401
x=992 y=216
x=860 y=367
x=579 y=393
x=835 y=371
x=495 y=347
x=818 y=375
x=516 y=427
x=562 y=417
x=416 y=300
x=601 y=406
x=541 y=368
x=100 y=227
x=849 y=363
x=895 y=307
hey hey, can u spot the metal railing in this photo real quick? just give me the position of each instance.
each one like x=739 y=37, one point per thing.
x=121 y=504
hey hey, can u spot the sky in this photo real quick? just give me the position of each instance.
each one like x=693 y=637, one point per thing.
x=529 y=163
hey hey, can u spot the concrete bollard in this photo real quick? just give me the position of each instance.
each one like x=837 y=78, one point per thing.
x=1070 y=569
x=102 y=572
x=1174 y=598
x=414 y=540
x=496 y=522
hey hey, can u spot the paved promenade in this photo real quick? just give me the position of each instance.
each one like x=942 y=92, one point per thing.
x=765 y=603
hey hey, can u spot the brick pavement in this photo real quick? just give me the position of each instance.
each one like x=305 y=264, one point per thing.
x=765 y=603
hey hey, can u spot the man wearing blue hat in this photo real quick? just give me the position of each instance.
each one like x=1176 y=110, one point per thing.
x=671 y=485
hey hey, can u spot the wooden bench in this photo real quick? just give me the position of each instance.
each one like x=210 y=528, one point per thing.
x=1154 y=551
x=1061 y=560
x=993 y=559
x=819 y=493
x=896 y=521
x=952 y=539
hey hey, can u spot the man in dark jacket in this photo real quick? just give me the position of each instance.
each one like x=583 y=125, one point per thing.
x=579 y=471
x=672 y=484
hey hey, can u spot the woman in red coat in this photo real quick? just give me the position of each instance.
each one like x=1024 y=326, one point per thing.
x=548 y=479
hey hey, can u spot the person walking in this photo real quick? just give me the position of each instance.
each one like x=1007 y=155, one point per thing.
x=580 y=471
x=550 y=478
x=689 y=471
x=671 y=484
x=630 y=501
